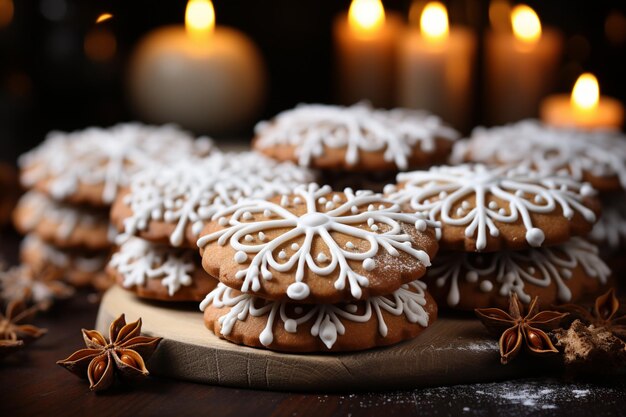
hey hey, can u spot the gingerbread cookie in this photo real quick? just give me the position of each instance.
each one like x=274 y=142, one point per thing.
x=77 y=267
x=610 y=230
x=556 y=274
x=62 y=225
x=159 y=272
x=284 y=326
x=90 y=166
x=488 y=209
x=595 y=157
x=356 y=138
x=316 y=245
x=172 y=205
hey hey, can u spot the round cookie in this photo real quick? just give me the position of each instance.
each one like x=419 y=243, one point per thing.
x=317 y=246
x=284 y=326
x=62 y=225
x=172 y=205
x=610 y=230
x=355 y=138
x=160 y=272
x=90 y=166
x=76 y=267
x=595 y=157
x=556 y=274
x=489 y=209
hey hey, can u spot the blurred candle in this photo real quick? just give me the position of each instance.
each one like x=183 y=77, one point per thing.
x=520 y=66
x=435 y=66
x=206 y=78
x=365 y=40
x=585 y=108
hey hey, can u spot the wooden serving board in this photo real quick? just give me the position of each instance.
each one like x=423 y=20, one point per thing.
x=452 y=351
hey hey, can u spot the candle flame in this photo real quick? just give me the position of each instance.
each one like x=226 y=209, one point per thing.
x=199 y=18
x=104 y=17
x=434 y=22
x=526 y=24
x=366 y=16
x=586 y=92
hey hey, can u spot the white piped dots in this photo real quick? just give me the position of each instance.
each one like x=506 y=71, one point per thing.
x=486 y=286
x=295 y=246
x=369 y=264
x=298 y=291
x=535 y=237
x=241 y=257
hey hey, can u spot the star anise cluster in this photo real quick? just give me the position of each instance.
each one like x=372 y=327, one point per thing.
x=521 y=331
x=123 y=354
x=13 y=332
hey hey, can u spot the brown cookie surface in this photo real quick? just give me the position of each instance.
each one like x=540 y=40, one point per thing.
x=316 y=245
x=284 y=326
x=489 y=209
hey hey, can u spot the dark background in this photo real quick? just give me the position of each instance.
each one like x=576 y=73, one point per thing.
x=47 y=82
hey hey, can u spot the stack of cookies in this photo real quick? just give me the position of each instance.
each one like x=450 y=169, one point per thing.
x=356 y=146
x=506 y=230
x=314 y=270
x=161 y=214
x=596 y=157
x=72 y=179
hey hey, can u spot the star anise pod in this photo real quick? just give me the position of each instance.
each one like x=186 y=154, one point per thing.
x=517 y=330
x=14 y=335
x=123 y=354
x=24 y=283
x=605 y=313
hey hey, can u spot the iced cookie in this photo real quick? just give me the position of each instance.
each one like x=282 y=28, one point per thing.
x=77 y=267
x=598 y=158
x=284 y=326
x=489 y=209
x=90 y=166
x=62 y=225
x=315 y=245
x=556 y=274
x=160 y=272
x=172 y=205
x=356 y=138
x=610 y=230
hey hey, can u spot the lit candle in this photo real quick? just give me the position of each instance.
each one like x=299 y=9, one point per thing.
x=435 y=66
x=206 y=78
x=585 y=108
x=520 y=66
x=365 y=53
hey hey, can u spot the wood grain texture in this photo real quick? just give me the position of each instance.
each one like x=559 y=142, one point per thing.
x=451 y=351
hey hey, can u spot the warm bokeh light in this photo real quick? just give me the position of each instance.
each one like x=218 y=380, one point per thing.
x=366 y=16
x=586 y=92
x=434 y=21
x=6 y=12
x=500 y=15
x=104 y=17
x=100 y=45
x=199 y=18
x=526 y=24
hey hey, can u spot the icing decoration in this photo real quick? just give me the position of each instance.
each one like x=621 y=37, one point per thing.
x=442 y=194
x=327 y=319
x=509 y=271
x=309 y=128
x=610 y=229
x=190 y=193
x=105 y=156
x=65 y=259
x=138 y=261
x=548 y=150
x=351 y=214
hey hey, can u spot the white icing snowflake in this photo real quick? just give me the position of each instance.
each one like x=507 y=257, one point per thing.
x=442 y=193
x=548 y=150
x=138 y=261
x=327 y=319
x=309 y=128
x=64 y=259
x=192 y=192
x=105 y=156
x=610 y=229
x=363 y=215
x=511 y=270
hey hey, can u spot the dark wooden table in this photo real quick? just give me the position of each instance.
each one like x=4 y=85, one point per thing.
x=32 y=384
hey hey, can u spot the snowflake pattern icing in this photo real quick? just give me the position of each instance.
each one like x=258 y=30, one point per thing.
x=327 y=319
x=190 y=193
x=357 y=128
x=139 y=261
x=548 y=150
x=510 y=270
x=610 y=230
x=383 y=218
x=437 y=191
x=105 y=156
